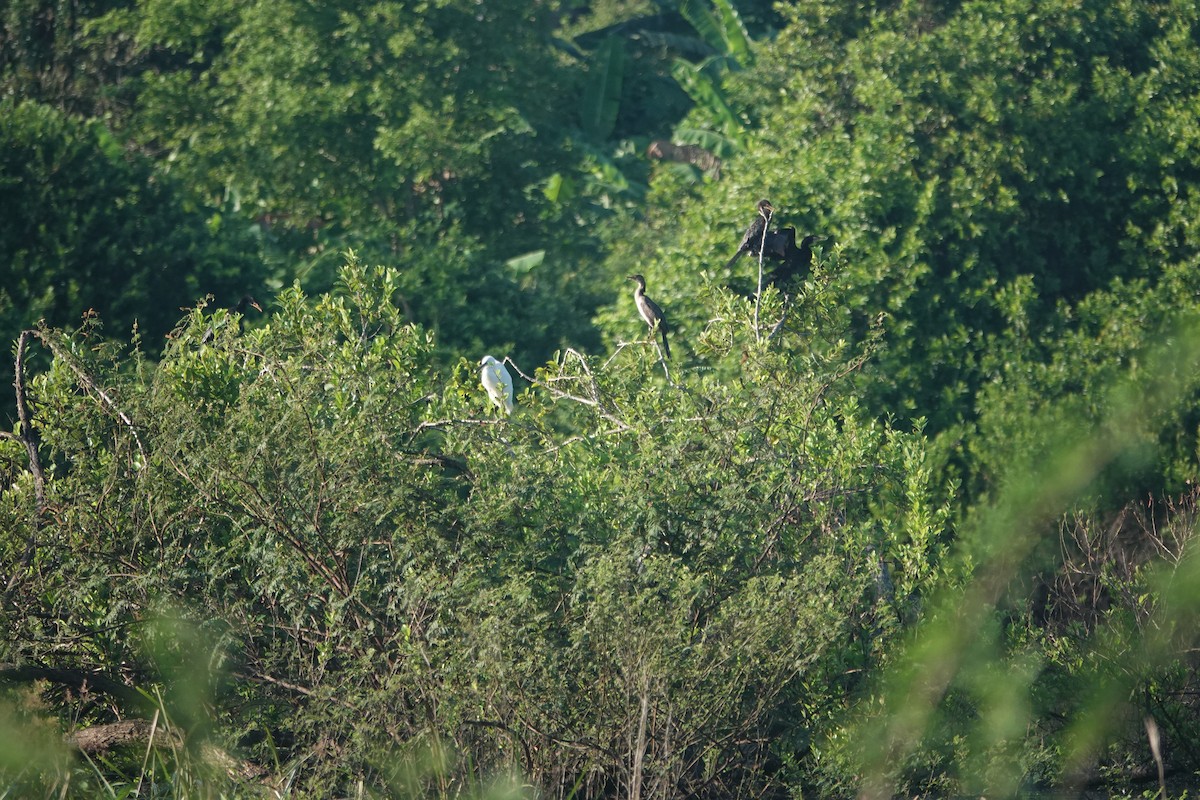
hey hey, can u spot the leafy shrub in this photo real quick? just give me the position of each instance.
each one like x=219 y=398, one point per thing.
x=633 y=585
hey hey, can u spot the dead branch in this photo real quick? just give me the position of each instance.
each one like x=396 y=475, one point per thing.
x=663 y=150
x=99 y=739
x=29 y=434
x=79 y=680
x=595 y=400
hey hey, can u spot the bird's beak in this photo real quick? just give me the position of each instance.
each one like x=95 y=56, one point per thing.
x=254 y=304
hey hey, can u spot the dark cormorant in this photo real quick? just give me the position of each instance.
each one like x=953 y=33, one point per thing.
x=247 y=302
x=797 y=261
x=754 y=234
x=650 y=312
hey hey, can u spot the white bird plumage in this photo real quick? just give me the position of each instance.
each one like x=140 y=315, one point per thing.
x=498 y=382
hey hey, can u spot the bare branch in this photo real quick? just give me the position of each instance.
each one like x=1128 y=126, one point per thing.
x=762 y=245
x=594 y=389
x=29 y=437
x=29 y=434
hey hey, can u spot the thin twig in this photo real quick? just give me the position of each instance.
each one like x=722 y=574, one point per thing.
x=29 y=437
x=620 y=346
x=594 y=401
x=29 y=434
x=445 y=423
x=787 y=307
x=661 y=358
x=583 y=437
x=758 y=295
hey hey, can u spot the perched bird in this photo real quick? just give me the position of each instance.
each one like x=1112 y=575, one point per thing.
x=752 y=241
x=498 y=382
x=650 y=312
x=245 y=303
x=797 y=261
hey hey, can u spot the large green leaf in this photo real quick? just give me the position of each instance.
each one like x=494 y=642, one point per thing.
x=526 y=262
x=699 y=14
x=737 y=39
x=705 y=93
x=602 y=94
x=718 y=143
x=723 y=30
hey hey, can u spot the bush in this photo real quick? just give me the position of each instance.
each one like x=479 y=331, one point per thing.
x=632 y=585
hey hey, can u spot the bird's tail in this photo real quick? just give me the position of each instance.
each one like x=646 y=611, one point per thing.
x=666 y=347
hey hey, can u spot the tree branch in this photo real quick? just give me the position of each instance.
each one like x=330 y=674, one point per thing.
x=594 y=401
x=29 y=434
x=758 y=295
x=79 y=680
x=99 y=739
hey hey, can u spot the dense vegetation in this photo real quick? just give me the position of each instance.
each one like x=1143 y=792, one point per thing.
x=918 y=521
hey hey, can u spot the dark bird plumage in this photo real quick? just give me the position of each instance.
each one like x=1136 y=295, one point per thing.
x=650 y=312
x=247 y=302
x=752 y=240
x=794 y=261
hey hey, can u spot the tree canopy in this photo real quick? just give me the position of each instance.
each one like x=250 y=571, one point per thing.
x=918 y=519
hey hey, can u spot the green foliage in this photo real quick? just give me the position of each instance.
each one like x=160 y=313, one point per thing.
x=51 y=52
x=1066 y=371
x=632 y=585
x=89 y=229
x=322 y=563
x=602 y=94
x=997 y=146
x=419 y=137
x=1000 y=690
x=713 y=110
x=996 y=183
x=723 y=31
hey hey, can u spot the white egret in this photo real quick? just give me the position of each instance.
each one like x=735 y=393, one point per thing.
x=498 y=382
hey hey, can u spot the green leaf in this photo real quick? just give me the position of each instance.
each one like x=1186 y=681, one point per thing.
x=737 y=40
x=719 y=144
x=526 y=261
x=602 y=94
x=704 y=93
x=723 y=31
x=558 y=189
x=699 y=15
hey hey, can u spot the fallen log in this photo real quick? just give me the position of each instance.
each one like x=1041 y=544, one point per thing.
x=99 y=739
